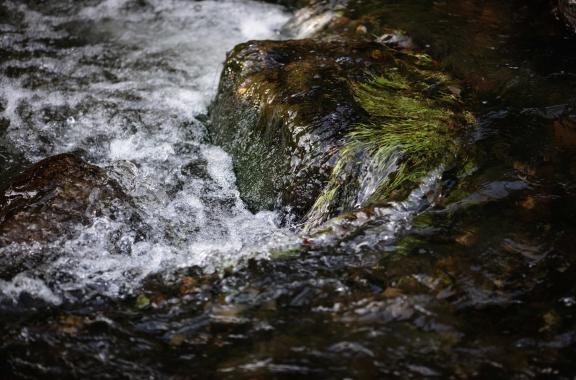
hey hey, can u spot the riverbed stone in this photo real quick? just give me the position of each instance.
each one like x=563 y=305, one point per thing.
x=47 y=201
x=282 y=110
x=287 y=111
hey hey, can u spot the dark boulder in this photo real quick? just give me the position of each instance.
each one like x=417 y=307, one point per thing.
x=47 y=201
x=282 y=110
x=299 y=116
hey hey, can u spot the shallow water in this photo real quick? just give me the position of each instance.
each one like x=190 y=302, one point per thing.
x=125 y=84
x=473 y=277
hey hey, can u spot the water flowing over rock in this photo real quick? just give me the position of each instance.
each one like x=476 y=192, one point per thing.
x=435 y=244
x=126 y=83
x=49 y=201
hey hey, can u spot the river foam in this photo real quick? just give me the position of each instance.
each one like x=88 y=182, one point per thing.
x=125 y=83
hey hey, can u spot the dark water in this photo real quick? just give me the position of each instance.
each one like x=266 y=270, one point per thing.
x=481 y=285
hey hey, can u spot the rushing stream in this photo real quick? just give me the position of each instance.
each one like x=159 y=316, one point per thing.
x=472 y=277
x=124 y=84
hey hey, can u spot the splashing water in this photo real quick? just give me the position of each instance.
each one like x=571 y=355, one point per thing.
x=125 y=83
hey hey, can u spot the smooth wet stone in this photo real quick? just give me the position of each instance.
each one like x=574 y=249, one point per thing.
x=47 y=201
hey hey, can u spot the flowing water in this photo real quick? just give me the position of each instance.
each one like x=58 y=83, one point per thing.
x=125 y=85
x=471 y=277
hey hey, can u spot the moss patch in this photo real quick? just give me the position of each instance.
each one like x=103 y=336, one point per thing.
x=413 y=127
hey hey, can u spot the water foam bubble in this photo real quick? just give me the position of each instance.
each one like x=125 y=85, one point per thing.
x=123 y=82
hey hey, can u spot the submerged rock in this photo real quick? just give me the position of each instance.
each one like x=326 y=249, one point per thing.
x=321 y=127
x=47 y=201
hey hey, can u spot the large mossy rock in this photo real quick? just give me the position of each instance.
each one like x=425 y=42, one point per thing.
x=47 y=202
x=349 y=118
x=319 y=127
x=282 y=110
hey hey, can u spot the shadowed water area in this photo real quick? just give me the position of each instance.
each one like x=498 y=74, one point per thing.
x=472 y=276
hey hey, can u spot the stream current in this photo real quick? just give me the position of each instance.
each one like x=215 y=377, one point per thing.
x=478 y=283
x=125 y=84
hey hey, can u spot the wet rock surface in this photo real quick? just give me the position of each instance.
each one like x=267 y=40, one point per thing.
x=471 y=277
x=286 y=110
x=272 y=111
x=480 y=286
x=47 y=202
x=282 y=111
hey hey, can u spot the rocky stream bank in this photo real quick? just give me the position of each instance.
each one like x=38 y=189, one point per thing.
x=421 y=152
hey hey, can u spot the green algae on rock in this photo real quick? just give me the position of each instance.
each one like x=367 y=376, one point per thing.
x=322 y=127
x=414 y=127
x=282 y=111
